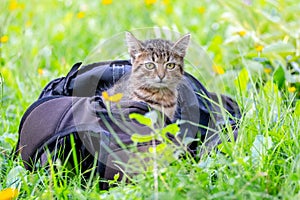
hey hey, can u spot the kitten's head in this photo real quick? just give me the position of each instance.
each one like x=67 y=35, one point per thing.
x=157 y=63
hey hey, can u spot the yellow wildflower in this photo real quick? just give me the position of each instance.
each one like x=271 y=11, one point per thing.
x=14 y=5
x=292 y=89
x=218 y=69
x=40 y=71
x=8 y=194
x=259 y=48
x=80 y=15
x=241 y=33
x=106 y=2
x=267 y=70
x=4 y=39
x=201 y=9
x=114 y=98
x=150 y=2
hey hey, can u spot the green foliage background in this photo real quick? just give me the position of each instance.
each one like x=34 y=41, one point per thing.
x=255 y=47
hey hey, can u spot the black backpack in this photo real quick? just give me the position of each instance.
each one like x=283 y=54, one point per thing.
x=71 y=112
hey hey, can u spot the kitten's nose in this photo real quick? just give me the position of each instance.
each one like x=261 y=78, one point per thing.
x=161 y=76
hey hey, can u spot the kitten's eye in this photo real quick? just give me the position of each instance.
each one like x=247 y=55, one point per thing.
x=150 y=65
x=170 y=66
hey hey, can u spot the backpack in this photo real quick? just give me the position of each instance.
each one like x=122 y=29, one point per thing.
x=71 y=115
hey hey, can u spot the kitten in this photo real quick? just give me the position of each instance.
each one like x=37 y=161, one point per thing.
x=157 y=70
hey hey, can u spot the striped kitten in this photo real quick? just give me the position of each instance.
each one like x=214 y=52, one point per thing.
x=157 y=69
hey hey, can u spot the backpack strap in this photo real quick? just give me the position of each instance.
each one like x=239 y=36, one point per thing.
x=88 y=80
x=59 y=86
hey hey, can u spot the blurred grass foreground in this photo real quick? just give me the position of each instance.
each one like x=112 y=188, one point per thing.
x=254 y=48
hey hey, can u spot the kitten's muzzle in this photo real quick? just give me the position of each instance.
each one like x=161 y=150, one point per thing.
x=160 y=84
x=160 y=80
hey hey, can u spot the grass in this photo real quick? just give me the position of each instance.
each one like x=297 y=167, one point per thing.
x=254 y=49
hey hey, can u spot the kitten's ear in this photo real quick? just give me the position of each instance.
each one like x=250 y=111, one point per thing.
x=133 y=44
x=180 y=46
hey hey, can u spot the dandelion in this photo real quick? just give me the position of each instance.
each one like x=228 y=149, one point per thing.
x=242 y=33
x=4 y=39
x=267 y=70
x=14 y=5
x=259 y=48
x=218 y=69
x=201 y=9
x=150 y=2
x=291 y=89
x=80 y=15
x=40 y=71
x=114 y=98
x=8 y=194
x=106 y=2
